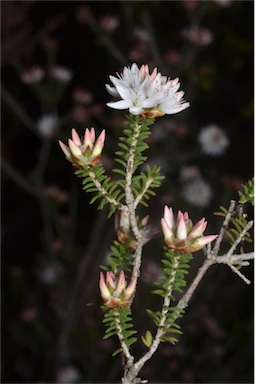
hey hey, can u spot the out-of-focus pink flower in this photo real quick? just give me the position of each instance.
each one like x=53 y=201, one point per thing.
x=115 y=293
x=180 y=234
x=82 y=96
x=62 y=74
x=223 y=3
x=32 y=75
x=233 y=182
x=189 y=173
x=80 y=114
x=198 y=35
x=29 y=314
x=145 y=94
x=83 y=14
x=109 y=23
x=139 y=51
x=190 y=5
x=172 y=57
x=151 y=272
x=56 y=193
x=84 y=152
x=97 y=109
x=49 y=43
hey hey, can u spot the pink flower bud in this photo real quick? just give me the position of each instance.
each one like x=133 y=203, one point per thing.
x=169 y=217
x=183 y=236
x=116 y=296
x=98 y=146
x=76 y=138
x=65 y=149
x=181 y=230
x=202 y=241
x=121 y=285
x=83 y=152
x=198 y=229
x=75 y=150
x=110 y=280
x=130 y=290
x=168 y=233
x=89 y=138
x=105 y=293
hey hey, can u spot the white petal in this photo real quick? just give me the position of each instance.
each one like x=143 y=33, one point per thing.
x=121 y=104
x=149 y=103
x=123 y=92
x=111 y=90
x=174 y=109
x=135 y=110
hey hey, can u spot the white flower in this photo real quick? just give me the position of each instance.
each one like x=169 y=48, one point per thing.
x=145 y=94
x=32 y=75
x=213 y=140
x=189 y=173
x=197 y=193
x=47 y=125
x=61 y=74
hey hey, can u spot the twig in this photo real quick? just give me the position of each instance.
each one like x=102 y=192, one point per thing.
x=183 y=303
x=234 y=269
x=140 y=196
x=223 y=228
x=240 y=237
x=30 y=42
x=234 y=259
x=44 y=205
x=106 y=41
x=160 y=330
x=104 y=193
x=18 y=178
x=71 y=306
x=131 y=204
x=16 y=108
x=129 y=357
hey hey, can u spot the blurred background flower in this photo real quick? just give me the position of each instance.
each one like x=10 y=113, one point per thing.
x=53 y=241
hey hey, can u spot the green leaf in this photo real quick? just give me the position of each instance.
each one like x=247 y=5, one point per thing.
x=147 y=340
x=116 y=352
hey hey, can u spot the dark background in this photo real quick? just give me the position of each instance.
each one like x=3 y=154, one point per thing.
x=54 y=242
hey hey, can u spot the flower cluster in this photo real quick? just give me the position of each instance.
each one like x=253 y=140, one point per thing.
x=181 y=235
x=197 y=35
x=85 y=152
x=144 y=94
x=35 y=74
x=32 y=75
x=116 y=294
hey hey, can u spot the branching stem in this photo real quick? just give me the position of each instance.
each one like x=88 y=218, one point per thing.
x=140 y=196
